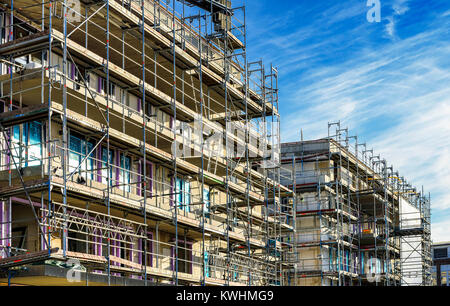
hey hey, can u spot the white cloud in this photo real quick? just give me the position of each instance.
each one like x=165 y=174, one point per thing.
x=439 y=231
x=390 y=26
x=419 y=146
x=400 y=7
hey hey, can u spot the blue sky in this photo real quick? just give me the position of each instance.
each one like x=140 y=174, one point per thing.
x=388 y=81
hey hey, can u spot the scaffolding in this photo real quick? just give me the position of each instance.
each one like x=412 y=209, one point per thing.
x=416 y=259
x=139 y=140
x=356 y=225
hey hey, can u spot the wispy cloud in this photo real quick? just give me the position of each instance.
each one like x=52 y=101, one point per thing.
x=398 y=8
x=419 y=145
x=390 y=26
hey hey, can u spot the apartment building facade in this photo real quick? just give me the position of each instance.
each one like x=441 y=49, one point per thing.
x=132 y=133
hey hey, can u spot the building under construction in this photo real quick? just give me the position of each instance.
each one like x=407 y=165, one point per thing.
x=358 y=222
x=139 y=147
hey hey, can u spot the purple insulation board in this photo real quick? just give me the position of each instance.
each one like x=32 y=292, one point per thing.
x=1 y=229
x=139 y=247
x=116 y=252
x=139 y=178
x=150 y=249
x=118 y=167
x=72 y=71
x=171 y=191
x=44 y=229
x=99 y=164
x=151 y=179
x=172 y=255
x=97 y=245
x=99 y=84
x=7 y=219
x=140 y=251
